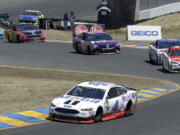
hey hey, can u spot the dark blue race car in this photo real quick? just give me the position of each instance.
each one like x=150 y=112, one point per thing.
x=95 y=43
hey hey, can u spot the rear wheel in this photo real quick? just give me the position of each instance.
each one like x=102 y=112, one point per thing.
x=130 y=108
x=99 y=115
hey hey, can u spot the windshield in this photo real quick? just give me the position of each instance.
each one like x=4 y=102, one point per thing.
x=30 y=13
x=168 y=44
x=87 y=92
x=176 y=52
x=99 y=37
x=27 y=27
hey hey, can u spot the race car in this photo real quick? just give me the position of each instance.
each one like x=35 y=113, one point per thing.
x=156 y=49
x=24 y=32
x=93 y=40
x=1 y=33
x=171 y=60
x=31 y=16
x=4 y=19
x=93 y=101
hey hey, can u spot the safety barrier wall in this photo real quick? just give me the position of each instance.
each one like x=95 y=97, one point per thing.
x=158 y=10
x=148 y=4
x=126 y=12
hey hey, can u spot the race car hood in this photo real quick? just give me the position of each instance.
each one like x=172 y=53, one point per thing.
x=32 y=32
x=28 y=17
x=176 y=59
x=105 y=42
x=75 y=102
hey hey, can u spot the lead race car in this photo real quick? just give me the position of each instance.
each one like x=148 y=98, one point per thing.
x=171 y=60
x=91 y=39
x=92 y=101
x=157 y=48
x=24 y=32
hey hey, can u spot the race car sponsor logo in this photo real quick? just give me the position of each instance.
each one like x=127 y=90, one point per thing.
x=98 y=83
x=80 y=99
x=80 y=29
x=115 y=107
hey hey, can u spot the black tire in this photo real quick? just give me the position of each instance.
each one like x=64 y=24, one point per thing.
x=150 y=58
x=99 y=115
x=88 y=51
x=129 y=109
x=76 y=48
x=18 y=39
x=164 y=67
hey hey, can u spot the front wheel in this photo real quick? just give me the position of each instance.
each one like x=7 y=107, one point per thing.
x=98 y=116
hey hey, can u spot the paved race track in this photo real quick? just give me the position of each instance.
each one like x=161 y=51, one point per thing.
x=58 y=7
x=160 y=116
x=157 y=117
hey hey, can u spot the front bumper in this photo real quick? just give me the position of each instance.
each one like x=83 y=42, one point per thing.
x=115 y=49
x=175 y=67
x=80 y=115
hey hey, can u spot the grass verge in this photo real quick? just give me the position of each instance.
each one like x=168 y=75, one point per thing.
x=170 y=29
x=24 y=89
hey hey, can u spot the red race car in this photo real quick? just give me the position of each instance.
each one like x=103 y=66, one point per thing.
x=24 y=32
x=171 y=60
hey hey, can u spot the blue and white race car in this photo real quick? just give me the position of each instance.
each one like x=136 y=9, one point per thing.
x=93 y=40
x=157 y=48
x=1 y=33
x=92 y=101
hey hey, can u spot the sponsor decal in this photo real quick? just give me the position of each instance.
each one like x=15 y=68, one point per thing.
x=80 y=99
x=115 y=107
x=98 y=83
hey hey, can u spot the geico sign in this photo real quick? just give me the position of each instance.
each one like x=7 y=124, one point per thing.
x=144 y=33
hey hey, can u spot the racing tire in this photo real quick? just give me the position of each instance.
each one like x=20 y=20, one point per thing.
x=164 y=67
x=88 y=51
x=118 y=51
x=130 y=108
x=17 y=40
x=8 y=38
x=150 y=58
x=77 y=48
x=99 y=115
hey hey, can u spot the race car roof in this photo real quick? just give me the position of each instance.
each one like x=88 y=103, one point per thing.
x=99 y=85
x=168 y=40
x=29 y=10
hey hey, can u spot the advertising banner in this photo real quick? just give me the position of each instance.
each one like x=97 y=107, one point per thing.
x=144 y=33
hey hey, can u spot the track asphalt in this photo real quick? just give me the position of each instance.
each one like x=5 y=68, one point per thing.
x=157 y=117
x=157 y=114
